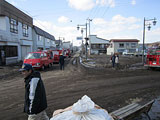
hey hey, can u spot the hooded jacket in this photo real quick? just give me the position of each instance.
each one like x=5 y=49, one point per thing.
x=35 y=96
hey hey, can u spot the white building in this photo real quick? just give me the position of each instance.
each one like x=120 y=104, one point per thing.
x=42 y=40
x=59 y=44
x=121 y=45
x=97 y=45
x=15 y=33
x=67 y=45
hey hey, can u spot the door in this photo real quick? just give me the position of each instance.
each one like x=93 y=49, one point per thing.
x=25 y=51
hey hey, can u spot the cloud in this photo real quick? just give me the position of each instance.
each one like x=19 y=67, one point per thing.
x=63 y=19
x=81 y=4
x=110 y=3
x=118 y=27
x=133 y=2
x=134 y=26
x=122 y=20
x=68 y=32
x=99 y=21
x=89 y=4
x=152 y=35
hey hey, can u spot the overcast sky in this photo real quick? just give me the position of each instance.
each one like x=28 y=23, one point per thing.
x=110 y=18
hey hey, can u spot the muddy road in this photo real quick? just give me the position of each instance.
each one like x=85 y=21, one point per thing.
x=109 y=88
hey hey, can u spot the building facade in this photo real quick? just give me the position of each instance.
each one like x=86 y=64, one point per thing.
x=42 y=40
x=59 y=44
x=18 y=36
x=121 y=45
x=15 y=34
x=97 y=45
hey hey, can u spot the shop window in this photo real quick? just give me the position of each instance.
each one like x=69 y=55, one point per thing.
x=11 y=51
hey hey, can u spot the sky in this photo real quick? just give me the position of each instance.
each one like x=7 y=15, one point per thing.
x=109 y=19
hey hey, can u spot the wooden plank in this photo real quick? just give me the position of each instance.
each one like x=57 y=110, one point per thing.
x=125 y=109
x=130 y=111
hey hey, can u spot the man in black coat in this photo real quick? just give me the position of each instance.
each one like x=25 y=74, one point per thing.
x=35 y=95
x=61 y=61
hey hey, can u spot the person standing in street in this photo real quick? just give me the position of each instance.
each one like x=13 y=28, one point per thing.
x=35 y=96
x=116 y=60
x=113 y=60
x=61 y=61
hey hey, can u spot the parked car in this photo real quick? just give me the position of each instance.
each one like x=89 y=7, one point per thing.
x=39 y=60
x=126 y=52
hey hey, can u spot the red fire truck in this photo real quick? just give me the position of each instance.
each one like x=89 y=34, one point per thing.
x=56 y=54
x=153 y=58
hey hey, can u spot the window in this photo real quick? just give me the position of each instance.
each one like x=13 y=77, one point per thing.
x=33 y=56
x=11 y=51
x=102 y=46
x=13 y=25
x=48 y=40
x=121 y=45
x=25 y=30
x=133 y=45
x=132 y=50
x=42 y=55
x=45 y=55
x=93 y=46
x=39 y=38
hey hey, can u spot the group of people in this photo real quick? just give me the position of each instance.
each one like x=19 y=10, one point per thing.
x=115 y=60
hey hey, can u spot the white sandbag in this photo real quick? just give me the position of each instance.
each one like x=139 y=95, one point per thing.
x=83 y=105
x=84 y=109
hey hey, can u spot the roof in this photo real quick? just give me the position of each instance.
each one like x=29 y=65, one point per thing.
x=43 y=33
x=6 y=9
x=124 y=40
x=58 y=41
x=96 y=40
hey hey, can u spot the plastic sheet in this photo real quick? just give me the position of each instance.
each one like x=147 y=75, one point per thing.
x=84 y=109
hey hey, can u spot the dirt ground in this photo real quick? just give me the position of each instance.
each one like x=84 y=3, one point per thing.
x=107 y=87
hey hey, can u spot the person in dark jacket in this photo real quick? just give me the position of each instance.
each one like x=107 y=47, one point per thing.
x=61 y=61
x=35 y=96
x=113 y=60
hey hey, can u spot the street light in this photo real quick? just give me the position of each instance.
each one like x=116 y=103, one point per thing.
x=149 y=27
x=61 y=38
x=78 y=27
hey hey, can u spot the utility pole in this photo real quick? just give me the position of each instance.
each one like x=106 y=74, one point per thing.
x=89 y=20
x=78 y=26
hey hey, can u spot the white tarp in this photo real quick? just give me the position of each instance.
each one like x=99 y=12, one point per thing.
x=84 y=109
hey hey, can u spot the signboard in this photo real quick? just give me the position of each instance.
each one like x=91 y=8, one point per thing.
x=79 y=38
